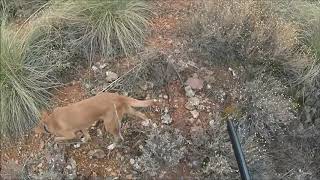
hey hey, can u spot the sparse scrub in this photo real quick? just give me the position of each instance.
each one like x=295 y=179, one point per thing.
x=210 y=152
x=306 y=14
x=25 y=80
x=152 y=67
x=164 y=148
x=247 y=32
x=268 y=111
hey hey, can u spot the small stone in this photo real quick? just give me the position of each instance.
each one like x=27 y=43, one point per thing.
x=111 y=76
x=129 y=176
x=189 y=106
x=233 y=72
x=77 y=145
x=132 y=161
x=195 y=114
x=154 y=125
x=166 y=119
x=192 y=102
x=145 y=123
x=111 y=146
x=211 y=123
x=97 y=153
x=195 y=83
x=69 y=167
x=87 y=86
x=189 y=91
x=165 y=96
x=94 y=68
x=208 y=86
x=102 y=66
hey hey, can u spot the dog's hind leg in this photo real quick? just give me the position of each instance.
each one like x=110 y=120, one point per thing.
x=114 y=127
x=133 y=112
x=86 y=134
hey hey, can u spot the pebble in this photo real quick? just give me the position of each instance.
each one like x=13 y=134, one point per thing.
x=96 y=153
x=211 y=123
x=111 y=76
x=195 y=83
x=76 y=145
x=166 y=119
x=195 y=114
x=102 y=66
x=165 y=96
x=189 y=91
x=132 y=161
x=145 y=123
x=94 y=68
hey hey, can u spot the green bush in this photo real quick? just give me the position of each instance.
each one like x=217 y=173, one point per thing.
x=24 y=78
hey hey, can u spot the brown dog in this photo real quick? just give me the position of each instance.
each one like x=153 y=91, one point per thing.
x=65 y=122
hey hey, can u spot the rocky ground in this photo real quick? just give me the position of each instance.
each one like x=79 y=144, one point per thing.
x=186 y=132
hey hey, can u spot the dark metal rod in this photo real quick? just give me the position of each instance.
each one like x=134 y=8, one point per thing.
x=238 y=151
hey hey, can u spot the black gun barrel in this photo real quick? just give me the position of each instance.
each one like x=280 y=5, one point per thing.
x=238 y=151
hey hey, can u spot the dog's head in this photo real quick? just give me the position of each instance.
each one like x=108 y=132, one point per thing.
x=42 y=126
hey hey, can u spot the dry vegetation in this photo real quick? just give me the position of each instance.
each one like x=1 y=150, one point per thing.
x=276 y=105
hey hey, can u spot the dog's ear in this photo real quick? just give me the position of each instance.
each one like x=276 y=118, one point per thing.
x=39 y=128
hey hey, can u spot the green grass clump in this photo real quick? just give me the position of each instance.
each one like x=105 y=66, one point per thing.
x=106 y=27
x=24 y=79
x=114 y=27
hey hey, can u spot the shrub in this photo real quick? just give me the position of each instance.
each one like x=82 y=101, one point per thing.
x=306 y=14
x=249 y=33
x=268 y=112
x=152 y=67
x=25 y=80
x=164 y=148
x=211 y=154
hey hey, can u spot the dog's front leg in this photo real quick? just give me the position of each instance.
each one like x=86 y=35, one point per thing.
x=66 y=136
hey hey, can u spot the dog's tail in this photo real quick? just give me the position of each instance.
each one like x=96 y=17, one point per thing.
x=140 y=103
